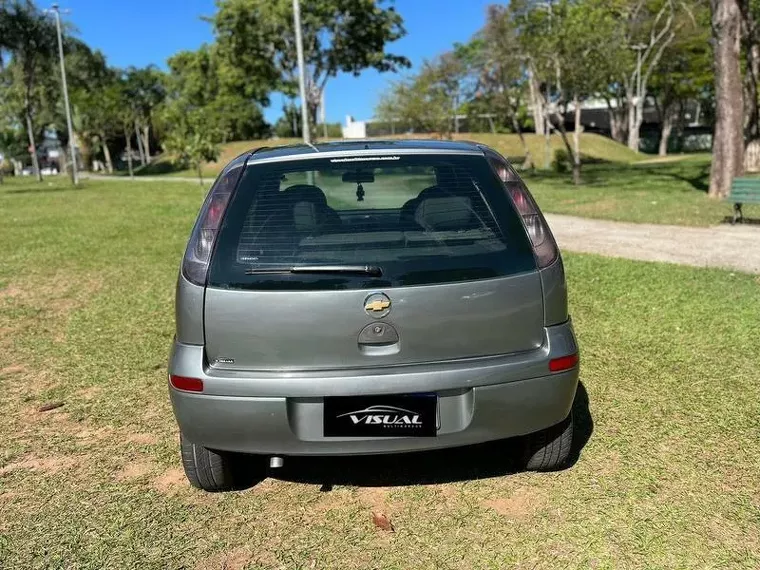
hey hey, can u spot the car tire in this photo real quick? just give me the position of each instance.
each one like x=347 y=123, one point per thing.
x=549 y=449
x=216 y=471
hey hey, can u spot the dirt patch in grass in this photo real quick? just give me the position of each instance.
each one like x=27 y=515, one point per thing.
x=48 y=465
x=142 y=438
x=171 y=481
x=13 y=369
x=94 y=434
x=134 y=470
x=90 y=392
x=376 y=498
x=520 y=505
x=9 y=292
x=235 y=559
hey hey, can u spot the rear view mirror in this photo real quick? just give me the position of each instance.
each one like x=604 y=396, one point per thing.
x=359 y=176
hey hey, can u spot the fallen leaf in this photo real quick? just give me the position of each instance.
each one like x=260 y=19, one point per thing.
x=49 y=406
x=382 y=522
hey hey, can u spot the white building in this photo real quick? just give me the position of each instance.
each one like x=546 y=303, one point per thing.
x=354 y=129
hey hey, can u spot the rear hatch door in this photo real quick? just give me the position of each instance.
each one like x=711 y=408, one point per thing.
x=325 y=264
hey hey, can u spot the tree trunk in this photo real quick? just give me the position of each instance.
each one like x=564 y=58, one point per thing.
x=139 y=145
x=752 y=54
x=127 y=135
x=563 y=133
x=577 y=142
x=668 y=117
x=146 y=142
x=728 y=143
x=633 y=120
x=63 y=162
x=106 y=153
x=32 y=145
x=200 y=174
x=536 y=102
x=617 y=118
x=528 y=162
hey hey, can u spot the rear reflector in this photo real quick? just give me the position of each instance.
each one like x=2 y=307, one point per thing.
x=563 y=363
x=189 y=384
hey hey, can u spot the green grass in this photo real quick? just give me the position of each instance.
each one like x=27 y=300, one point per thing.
x=670 y=477
x=672 y=192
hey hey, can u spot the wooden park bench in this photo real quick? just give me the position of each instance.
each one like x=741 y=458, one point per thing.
x=743 y=191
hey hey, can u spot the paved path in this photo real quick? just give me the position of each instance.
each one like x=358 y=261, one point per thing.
x=725 y=246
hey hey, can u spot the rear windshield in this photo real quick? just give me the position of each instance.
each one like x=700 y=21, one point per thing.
x=363 y=223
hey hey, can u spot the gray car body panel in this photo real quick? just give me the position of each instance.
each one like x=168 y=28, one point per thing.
x=270 y=399
x=280 y=412
x=554 y=288
x=256 y=329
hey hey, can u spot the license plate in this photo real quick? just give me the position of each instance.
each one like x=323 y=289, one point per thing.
x=411 y=415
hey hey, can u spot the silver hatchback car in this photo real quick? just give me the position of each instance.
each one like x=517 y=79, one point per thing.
x=369 y=297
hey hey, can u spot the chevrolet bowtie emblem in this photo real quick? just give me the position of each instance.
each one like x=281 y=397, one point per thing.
x=377 y=305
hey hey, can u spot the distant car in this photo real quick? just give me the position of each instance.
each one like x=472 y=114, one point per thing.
x=369 y=297
x=49 y=170
x=27 y=171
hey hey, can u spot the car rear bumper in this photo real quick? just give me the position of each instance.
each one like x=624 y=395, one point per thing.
x=282 y=413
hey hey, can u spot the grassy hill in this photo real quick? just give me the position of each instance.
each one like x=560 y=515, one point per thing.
x=593 y=147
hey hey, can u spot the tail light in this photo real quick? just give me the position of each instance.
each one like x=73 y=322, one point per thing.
x=197 y=258
x=563 y=363
x=187 y=384
x=544 y=246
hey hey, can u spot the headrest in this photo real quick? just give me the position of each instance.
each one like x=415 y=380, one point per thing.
x=444 y=213
x=305 y=193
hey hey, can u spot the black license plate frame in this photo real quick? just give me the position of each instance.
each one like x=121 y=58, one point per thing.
x=397 y=415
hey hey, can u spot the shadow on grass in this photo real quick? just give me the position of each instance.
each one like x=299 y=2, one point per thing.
x=40 y=189
x=744 y=222
x=628 y=176
x=699 y=181
x=494 y=459
x=155 y=168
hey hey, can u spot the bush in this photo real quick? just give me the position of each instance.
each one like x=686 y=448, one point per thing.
x=562 y=161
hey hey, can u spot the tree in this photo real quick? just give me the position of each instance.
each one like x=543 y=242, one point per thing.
x=195 y=78
x=145 y=87
x=256 y=41
x=684 y=73
x=425 y=101
x=289 y=125
x=89 y=79
x=728 y=144
x=192 y=143
x=31 y=40
x=503 y=69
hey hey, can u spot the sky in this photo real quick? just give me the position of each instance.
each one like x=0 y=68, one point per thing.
x=141 y=32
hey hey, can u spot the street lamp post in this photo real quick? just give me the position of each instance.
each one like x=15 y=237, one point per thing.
x=75 y=175
x=301 y=72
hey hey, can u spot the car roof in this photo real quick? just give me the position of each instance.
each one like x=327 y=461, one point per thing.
x=360 y=147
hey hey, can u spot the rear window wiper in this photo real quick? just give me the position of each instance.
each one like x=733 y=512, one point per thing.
x=371 y=270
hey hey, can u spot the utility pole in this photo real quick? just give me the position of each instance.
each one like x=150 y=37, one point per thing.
x=74 y=174
x=547 y=118
x=301 y=73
